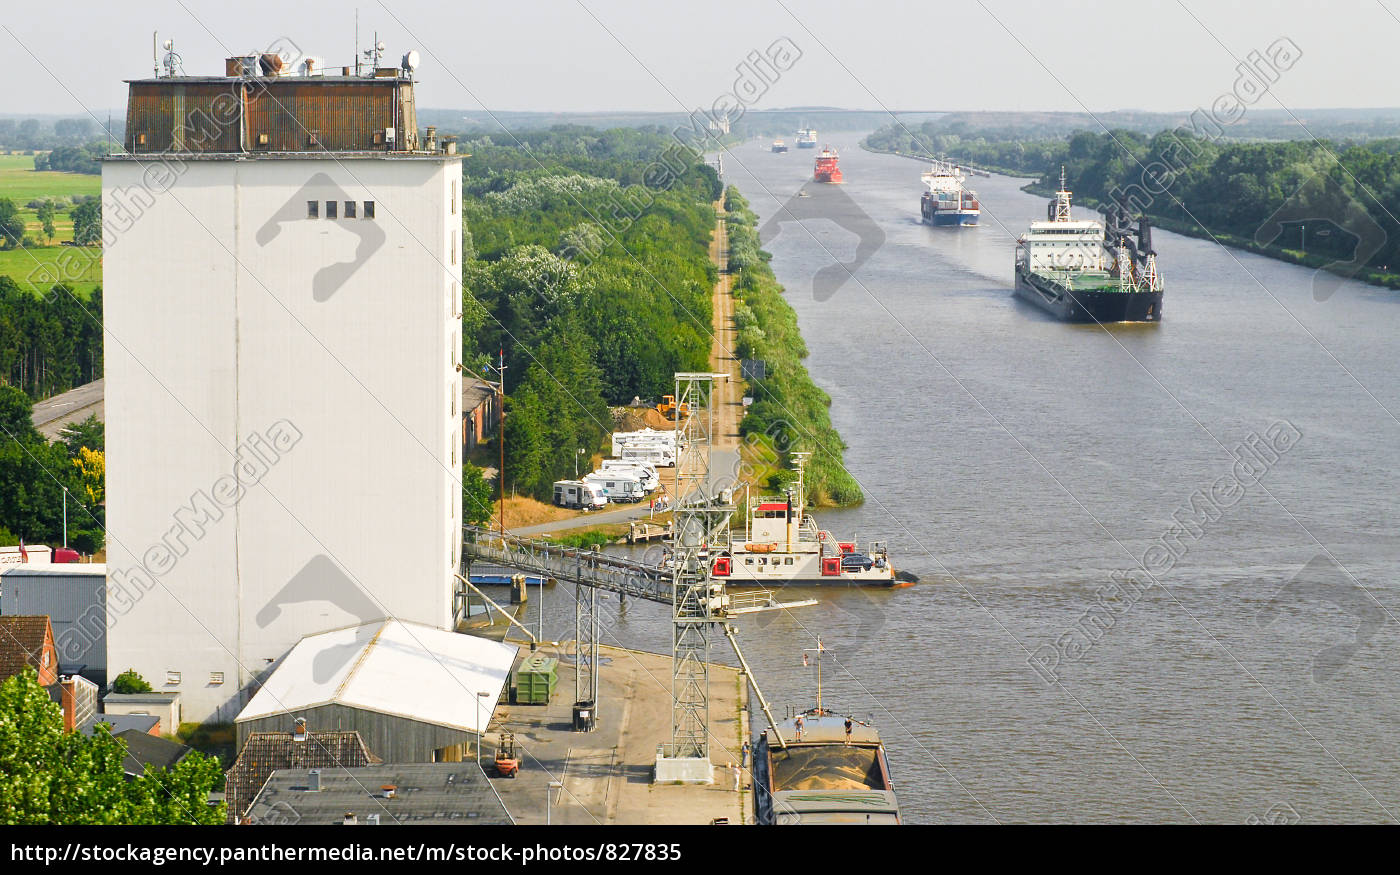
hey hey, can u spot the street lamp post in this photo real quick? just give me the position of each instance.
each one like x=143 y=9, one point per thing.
x=479 y=697
x=548 y=802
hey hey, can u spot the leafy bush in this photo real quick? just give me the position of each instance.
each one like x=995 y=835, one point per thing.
x=130 y=682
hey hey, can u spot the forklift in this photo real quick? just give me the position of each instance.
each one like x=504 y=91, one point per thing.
x=507 y=763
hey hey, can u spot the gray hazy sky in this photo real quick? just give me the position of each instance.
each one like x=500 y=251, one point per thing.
x=628 y=54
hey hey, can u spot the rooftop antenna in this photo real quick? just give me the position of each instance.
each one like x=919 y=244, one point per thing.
x=155 y=55
x=172 y=60
x=357 y=40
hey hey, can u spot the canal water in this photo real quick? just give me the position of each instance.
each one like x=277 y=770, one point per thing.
x=1245 y=450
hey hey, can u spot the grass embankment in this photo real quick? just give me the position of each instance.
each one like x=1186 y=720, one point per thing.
x=80 y=267
x=789 y=410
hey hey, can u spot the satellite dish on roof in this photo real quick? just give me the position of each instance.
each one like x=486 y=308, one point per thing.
x=410 y=61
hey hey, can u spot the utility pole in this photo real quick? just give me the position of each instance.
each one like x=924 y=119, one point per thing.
x=501 y=433
x=65 y=517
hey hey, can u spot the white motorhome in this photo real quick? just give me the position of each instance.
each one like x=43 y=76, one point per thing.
x=617 y=485
x=645 y=470
x=578 y=494
x=657 y=455
x=666 y=437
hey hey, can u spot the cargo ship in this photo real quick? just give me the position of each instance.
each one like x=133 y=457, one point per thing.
x=825 y=169
x=807 y=138
x=821 y=767
x=781 y=545
x=947 y=202
x=779 y=145
x=1080 y=271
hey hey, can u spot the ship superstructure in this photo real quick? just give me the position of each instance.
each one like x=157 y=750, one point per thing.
x=1080 y=271
x=827 y=166
x=782 y=545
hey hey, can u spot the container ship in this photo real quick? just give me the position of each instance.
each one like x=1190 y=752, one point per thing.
x=826 y=169
x=1081 y=272
x=779 y=145
x=947 y=202
x=782 y=545
x=807 y=138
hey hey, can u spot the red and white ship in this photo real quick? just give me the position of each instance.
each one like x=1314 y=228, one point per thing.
x=826 y=169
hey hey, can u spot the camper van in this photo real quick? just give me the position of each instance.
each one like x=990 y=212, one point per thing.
x=578 y=494
x=644 y=470
x=667 y=438
x=659 y=456
x=617 y=485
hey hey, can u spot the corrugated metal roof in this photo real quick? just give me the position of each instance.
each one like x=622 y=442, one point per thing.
x=402 y=669
x=205 y=114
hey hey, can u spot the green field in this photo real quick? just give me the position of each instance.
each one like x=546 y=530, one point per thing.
x=21 y=183
x=80 y=267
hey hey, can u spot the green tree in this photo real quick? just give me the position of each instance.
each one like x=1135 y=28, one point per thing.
x=130 y=682
x=87 y=223
x=46 y=212
x=89 y=434
x=11 y=225
x=48 y=776
x=476 y=496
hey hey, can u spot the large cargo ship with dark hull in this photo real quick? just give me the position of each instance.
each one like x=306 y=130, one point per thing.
x=1079 y=271
x=807 y=138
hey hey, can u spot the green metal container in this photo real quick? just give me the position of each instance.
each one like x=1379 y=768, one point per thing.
x=535 y=680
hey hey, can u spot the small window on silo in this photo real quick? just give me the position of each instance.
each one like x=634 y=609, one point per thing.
x=216 y=677
x=172 y=678
x=330 y=209
x=369 y=209
x=313 y=209
x=349 y=209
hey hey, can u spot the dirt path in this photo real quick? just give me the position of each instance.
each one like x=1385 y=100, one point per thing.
x=723 y=355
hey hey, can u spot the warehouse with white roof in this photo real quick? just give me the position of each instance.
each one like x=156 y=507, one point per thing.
x=414 y=693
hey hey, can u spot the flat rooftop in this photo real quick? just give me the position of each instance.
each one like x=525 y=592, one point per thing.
x=424 y=793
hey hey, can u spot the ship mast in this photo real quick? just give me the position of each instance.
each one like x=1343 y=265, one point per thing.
x=818 y=650
x=1062 y=196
